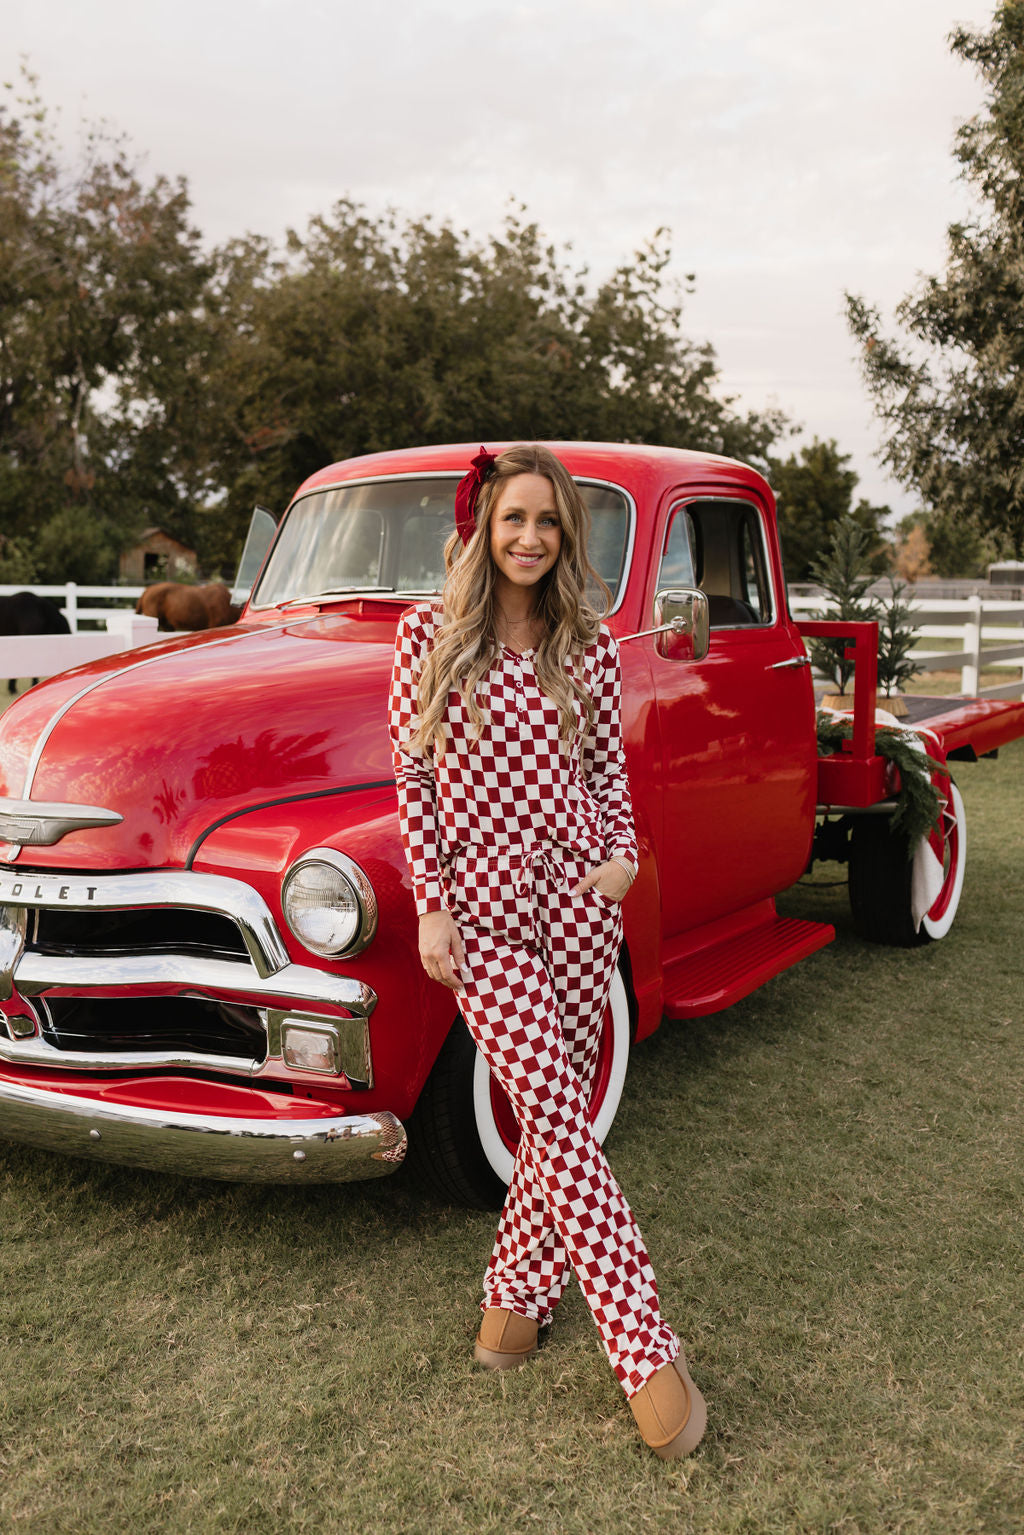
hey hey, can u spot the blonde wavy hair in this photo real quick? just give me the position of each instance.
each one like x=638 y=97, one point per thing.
x=466 y=645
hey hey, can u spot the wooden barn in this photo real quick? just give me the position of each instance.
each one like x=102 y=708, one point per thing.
x=156 y=556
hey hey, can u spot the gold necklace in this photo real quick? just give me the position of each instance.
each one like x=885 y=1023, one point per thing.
x=509 y=624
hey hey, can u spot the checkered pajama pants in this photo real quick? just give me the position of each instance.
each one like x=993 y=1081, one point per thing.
x=539 y=965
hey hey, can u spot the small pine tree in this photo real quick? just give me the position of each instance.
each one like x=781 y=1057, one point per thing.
x=897 y=635
x=844 y=576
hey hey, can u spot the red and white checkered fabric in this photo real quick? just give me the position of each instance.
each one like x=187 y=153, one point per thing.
x=539 y=965
x=498 y=832
x=516 y=786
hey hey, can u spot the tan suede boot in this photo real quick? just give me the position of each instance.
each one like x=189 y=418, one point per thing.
x=505 y=1339
x=670 y=1412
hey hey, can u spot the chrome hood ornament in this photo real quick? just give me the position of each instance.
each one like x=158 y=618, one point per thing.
x=36 y=823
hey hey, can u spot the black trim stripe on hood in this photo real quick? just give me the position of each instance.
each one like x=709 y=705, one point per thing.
x=287 y=799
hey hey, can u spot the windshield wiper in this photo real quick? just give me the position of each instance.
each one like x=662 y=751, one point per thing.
x=334 y=591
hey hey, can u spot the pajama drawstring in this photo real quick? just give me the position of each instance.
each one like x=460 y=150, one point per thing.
x=540 y=860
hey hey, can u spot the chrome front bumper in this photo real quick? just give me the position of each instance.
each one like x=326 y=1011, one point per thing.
x=339 y=1149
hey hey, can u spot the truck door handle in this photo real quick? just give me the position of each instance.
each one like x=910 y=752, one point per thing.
x=790 y=665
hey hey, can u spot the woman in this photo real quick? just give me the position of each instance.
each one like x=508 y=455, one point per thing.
x=517 y=823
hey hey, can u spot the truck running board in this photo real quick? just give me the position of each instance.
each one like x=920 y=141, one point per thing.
x=718 y=976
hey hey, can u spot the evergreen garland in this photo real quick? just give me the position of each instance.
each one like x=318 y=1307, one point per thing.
x=919 y=803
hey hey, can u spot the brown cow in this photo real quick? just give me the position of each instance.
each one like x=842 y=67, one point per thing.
x=176 y=606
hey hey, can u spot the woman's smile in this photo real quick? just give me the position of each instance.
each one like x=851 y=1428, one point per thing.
x=526 y=531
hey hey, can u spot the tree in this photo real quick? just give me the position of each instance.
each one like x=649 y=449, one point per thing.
x=143 y=380
x=842 y=573
x=17 y=565
x=373 y=333
x=101 y=278
x=897 y=636
x=950 y=395
x=911 y=554
x=814 y=488
x=956 y=547
x=76 y=544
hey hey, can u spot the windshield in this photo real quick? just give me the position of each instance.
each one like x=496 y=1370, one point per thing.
x=389 y=536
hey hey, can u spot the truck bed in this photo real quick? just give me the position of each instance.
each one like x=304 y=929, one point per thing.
x=967 y=727
x=964 y=728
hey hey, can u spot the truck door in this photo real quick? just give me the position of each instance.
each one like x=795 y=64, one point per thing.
x=739 y=760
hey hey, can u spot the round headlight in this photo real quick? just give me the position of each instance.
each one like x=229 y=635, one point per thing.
x=329 y=903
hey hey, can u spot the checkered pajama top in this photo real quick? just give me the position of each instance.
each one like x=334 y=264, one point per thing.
x=517 y=787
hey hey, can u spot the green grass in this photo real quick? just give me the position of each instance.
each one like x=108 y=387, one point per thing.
x=829 y=1179
x=6 y=698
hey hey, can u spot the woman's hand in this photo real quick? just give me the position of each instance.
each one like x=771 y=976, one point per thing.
x=441 y=950
x=610 y=879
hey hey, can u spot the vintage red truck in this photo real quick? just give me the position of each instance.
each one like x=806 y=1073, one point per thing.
x=208 y=954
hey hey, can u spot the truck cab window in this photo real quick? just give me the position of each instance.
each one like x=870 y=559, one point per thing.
x=389 y=535
x=753 y=569
x=420 y=539
x=718 y=545
x=609 y=533
x=677 y=566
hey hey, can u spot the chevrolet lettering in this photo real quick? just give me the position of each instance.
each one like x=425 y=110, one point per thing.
x=39 y=892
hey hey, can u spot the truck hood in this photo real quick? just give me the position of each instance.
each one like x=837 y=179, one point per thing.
x=179 y=736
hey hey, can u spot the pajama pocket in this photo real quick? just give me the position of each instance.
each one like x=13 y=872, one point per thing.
x=488 y=893
x=602 y=899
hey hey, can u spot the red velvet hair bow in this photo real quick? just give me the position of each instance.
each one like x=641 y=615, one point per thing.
x=481 y=469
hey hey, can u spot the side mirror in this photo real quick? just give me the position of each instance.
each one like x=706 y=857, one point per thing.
x=682 y=624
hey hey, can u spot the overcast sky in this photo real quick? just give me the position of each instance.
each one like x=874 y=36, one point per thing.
x=793 y=147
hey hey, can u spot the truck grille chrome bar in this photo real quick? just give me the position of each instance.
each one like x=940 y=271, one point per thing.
x=182 y=888
x=37 y=1052
x=26 y=1044
x=37 y=974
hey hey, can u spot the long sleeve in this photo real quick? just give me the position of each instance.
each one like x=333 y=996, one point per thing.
x=414 y=774
x=604 y=759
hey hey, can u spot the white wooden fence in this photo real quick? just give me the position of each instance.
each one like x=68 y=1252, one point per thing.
x=112 y=629
x=988 y=632
x=68 y=597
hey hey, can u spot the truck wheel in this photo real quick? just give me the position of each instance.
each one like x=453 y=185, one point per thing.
x=881 y=872
x=462 y=1134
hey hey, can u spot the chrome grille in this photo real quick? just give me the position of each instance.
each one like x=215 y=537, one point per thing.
x=139 y=930
x=162 y=969
x=176 y=1025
